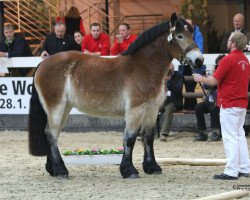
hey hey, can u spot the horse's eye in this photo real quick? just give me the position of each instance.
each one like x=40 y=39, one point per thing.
x=180 y=37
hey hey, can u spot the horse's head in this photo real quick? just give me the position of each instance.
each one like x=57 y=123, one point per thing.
x=184 y=47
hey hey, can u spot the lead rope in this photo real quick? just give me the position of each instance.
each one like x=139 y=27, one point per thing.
x=206 y=96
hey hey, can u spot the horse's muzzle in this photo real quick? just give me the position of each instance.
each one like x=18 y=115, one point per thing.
x=195 y=58
x=198 y=62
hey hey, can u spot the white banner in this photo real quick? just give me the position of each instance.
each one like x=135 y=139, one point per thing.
x=15 y=96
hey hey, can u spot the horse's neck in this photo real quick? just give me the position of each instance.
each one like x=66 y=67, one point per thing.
x=154 y=57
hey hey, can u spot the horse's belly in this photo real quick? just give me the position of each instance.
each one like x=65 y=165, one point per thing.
x=101 y=112
x=100 y=109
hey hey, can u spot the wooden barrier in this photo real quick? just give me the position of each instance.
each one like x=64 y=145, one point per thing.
x=193 y=95
x=20 y=62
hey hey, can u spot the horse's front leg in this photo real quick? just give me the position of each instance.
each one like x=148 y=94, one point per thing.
x=127 y=168
x=149 y=164
x=55 y=165
x=134 y=119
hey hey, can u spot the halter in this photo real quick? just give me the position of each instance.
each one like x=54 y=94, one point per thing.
x=170 y=38
x=183 y=59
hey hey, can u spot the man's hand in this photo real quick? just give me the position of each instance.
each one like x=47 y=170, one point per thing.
x=197 y=77
x=119 y=39
x=167 y=77
x=44 y=54
x=3 y=54
x=208 y=80
x=90 y=53
x=87 y=52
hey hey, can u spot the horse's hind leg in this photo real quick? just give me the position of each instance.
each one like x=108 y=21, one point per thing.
x=55 y=165
x=149 y=164
x=133 y=122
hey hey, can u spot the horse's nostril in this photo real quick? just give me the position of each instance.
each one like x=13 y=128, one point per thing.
x=198 y=62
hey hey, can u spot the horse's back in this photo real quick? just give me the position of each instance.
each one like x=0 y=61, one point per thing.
x=92 y=84
x=98 y=86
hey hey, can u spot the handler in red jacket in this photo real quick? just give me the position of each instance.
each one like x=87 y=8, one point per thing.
x=123 y=40
x=232 y=78
x=96 y=43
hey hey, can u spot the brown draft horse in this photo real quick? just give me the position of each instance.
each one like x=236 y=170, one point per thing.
x=130 y=86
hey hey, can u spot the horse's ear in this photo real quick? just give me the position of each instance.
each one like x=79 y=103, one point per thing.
x=173 y=19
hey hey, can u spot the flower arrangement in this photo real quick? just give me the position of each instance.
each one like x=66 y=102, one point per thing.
x=94 y=151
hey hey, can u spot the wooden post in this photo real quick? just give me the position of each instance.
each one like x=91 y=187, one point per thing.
x=235 y=194
x=116 y=12
x=107 y=13
x=191 y=161
x=18 y=16
x=1 y=19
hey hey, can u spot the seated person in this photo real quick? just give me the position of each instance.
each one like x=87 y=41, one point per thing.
x=123 y=40
x=96 y=43
x=78 y=38
x=173 y=101
x=58 y=41
x=14 y=45
x=209 y=106
x=239 y=26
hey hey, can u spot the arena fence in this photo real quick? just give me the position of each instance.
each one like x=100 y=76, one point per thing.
x=15 y=94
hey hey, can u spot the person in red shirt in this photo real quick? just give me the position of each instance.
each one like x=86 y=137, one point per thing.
x=123 y=40
x=96 y=43
x=232 y=78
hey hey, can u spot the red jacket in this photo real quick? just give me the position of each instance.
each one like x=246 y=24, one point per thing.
x=102 y=44
x=118 y=48
x=233 y=75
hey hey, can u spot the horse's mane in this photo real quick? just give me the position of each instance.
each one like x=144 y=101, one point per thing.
x=146 y=37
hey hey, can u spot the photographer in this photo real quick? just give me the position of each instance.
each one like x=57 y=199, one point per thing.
x=209 y=106
x=173 y=101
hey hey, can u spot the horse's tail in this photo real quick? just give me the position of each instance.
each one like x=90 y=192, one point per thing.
x=37 y=124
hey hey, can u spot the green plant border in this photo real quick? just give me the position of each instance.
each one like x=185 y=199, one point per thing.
x=94 y=151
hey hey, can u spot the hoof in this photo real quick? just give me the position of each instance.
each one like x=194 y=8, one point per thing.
x=63 y=176
x=157 y=172
x=60 y=172
x=152 y=169
x=128 y=171
x=134 y=176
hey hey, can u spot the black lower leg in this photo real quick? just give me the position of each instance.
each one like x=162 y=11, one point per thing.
x=149 y=164
x=55 y=165
x=127 y=168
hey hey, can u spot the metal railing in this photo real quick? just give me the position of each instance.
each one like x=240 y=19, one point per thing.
x=93 y=12
x=35 y=18
x=139 y=23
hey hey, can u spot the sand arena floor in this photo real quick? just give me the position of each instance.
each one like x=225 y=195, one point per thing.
x=23 y=176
